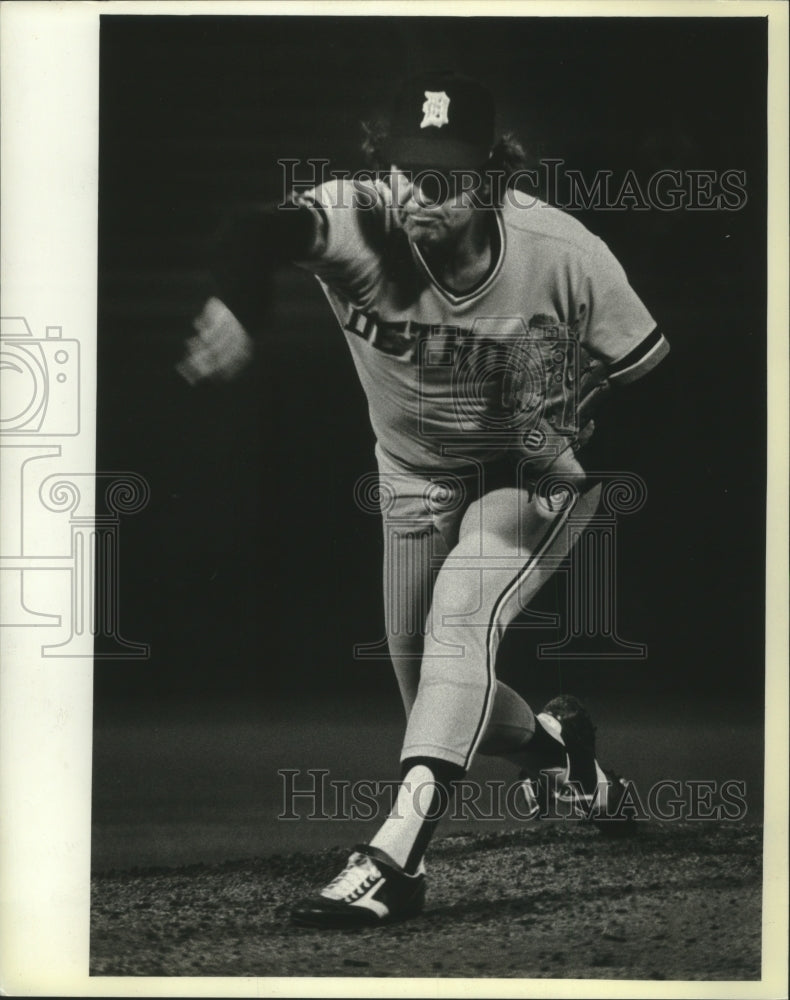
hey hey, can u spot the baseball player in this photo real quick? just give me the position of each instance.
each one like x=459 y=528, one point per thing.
x=485 y=327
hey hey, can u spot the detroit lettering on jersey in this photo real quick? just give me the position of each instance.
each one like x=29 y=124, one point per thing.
x=516 y=362
x=497 y=381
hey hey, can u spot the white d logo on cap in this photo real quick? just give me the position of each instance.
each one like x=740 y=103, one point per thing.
x=435 y=109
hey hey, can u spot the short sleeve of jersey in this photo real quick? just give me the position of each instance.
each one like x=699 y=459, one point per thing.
x=352 y=227
x=619 y=329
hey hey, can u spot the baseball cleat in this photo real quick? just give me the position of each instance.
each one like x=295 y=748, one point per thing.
x=559 y=797
x=530 y=790
x=370 y=890
x=581 y=789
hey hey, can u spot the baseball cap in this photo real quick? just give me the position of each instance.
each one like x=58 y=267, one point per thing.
x=441 y=119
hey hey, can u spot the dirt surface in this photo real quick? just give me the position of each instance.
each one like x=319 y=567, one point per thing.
x=679 y=901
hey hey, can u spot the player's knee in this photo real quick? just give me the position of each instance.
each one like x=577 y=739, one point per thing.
x=457 y=592
x=472 y=519
x=496 y=519
x=493 y=513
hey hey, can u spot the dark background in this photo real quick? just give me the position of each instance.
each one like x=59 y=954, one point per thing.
x=251 y=572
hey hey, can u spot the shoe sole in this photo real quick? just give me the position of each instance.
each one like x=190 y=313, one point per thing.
x=349 y=922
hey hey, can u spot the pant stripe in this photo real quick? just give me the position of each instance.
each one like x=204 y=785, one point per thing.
x=495 y=626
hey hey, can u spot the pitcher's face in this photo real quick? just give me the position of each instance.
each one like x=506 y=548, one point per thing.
x=433 y=207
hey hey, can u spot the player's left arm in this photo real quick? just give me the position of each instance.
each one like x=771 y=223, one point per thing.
x=617 y=333
x=618 y=330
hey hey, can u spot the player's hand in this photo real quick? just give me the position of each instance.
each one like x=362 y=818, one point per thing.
x=220 y=349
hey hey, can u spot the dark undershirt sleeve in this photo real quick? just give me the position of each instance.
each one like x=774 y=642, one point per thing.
x=249 y=246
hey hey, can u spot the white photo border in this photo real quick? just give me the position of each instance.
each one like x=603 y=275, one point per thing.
x=49 y=62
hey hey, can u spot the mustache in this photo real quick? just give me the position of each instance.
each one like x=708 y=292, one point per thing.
x=405 y=213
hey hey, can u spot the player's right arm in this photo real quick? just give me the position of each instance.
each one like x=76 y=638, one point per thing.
x=331 y=231
x=249 y=247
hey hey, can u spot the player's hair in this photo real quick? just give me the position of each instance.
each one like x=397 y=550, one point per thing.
x=508 y=160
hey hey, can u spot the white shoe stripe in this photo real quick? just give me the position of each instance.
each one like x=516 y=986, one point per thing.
x=368 y=903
